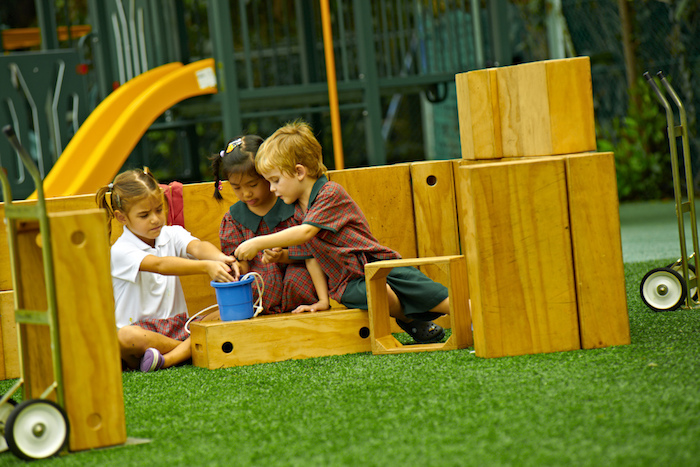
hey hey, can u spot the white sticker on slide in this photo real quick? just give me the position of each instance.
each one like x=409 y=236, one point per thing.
x=206 y=78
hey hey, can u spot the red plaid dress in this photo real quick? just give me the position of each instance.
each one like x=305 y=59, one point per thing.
x=286 y=285
x=344 y=244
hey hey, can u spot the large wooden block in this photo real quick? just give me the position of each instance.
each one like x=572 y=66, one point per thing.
x=519 y=257
x=532 y=109
x=89 y=351
x=275 y=338
x=454 y=269
x=384 y=195
x=597 y=246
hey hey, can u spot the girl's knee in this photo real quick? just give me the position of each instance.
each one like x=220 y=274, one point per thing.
x=132 y=337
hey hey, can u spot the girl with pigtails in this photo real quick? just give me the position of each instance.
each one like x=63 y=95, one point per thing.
x=290 y=286
x=146 y=261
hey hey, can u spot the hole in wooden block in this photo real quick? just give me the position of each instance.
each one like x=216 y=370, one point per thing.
x=364 y=332
x=78 y=238
x=431 y=180
x=227 y=347
x=94 y=421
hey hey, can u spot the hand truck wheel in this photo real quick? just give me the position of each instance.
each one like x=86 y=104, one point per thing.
x=663 y=289
x=5 y=410
x=36 y=429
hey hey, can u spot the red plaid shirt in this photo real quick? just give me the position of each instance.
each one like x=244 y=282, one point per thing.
x=344 y=244
x=286 y=285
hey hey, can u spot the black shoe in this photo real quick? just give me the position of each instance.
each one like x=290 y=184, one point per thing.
x=423 y=332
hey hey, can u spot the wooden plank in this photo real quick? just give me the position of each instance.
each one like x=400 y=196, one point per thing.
x=384 y=195
x=275 y=338
x=435 y=208
x=10 y=355
x=524 y=110
x=478 y=113
x=382 y=341
x=570 y=97
x=519 y=257
x=597 y=247
x=89 y=351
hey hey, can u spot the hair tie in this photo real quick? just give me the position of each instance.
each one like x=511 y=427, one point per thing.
x=110 y=186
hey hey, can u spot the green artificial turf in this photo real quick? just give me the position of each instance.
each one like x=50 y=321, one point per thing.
x=631 y=405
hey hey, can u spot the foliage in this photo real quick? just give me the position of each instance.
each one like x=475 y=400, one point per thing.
x=641 y=148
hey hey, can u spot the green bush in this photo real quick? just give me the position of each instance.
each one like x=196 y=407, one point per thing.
x=640 y=144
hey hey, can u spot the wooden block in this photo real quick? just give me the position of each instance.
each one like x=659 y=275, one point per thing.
x=519 y=257
x=435 y=208
x=89 y=351
x=275 y=338
x=383 y=342
x=384 y=195
x=478 y=113
x=10 y=355
x=597 y=247
x=35 y=351
x=532 y=109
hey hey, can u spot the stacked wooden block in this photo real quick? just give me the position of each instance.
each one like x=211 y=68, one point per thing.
x=538 y=212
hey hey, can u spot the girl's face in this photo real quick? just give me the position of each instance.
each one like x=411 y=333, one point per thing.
x=145 y=218
x=253 y=190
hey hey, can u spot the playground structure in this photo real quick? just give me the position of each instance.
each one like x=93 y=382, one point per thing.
x=524 y=227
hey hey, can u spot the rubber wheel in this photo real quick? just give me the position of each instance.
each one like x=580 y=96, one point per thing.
x=36 y=429
x=5 y=410
x=691 y=272
x=663 y=289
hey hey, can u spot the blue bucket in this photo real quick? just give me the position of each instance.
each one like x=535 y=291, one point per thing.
x=235 y=299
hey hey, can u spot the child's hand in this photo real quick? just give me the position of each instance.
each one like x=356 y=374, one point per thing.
x=246 y=250
x=219 y=271
x=233 y=264
x=272 y=255
x=318 y=306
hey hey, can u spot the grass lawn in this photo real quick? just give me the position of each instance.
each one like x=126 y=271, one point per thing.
x=633 y=405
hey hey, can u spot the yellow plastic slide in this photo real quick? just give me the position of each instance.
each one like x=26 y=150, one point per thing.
x=109 y=134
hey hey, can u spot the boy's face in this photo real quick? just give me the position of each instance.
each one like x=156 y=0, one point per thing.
x=284 y=186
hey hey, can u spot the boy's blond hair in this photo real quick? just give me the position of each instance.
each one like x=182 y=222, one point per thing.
x=292 y=144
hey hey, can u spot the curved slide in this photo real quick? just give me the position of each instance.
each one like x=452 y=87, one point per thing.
x=109 y=134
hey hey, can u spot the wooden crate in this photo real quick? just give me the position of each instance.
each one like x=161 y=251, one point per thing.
x=275 y=338
x=454 y=269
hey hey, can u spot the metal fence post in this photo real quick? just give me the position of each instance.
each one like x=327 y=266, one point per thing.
x=364 y=32
x=219 y=12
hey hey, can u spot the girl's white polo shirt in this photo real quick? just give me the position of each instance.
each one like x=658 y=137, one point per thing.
x=139 y=294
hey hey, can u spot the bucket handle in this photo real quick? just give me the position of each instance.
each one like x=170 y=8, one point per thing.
x=260 y=284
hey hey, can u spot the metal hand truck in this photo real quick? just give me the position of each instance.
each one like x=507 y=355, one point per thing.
x=676 y=284
x=35 y=428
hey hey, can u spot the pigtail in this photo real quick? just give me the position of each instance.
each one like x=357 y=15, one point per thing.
x=216 y=168
x=103 y=199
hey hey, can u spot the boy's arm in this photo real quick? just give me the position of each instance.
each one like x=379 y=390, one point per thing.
x=321 y=286
x=176 y=266
x=292 y=236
